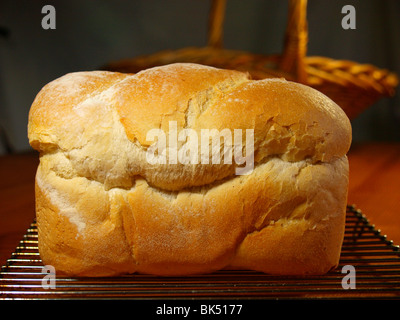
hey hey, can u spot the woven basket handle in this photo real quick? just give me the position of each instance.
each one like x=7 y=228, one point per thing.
x=296 y=36
x=216 y=23
x=296 y=39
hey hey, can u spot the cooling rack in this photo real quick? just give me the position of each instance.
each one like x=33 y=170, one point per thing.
x=374 y=260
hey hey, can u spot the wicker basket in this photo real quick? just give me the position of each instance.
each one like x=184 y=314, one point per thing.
x=351 y=85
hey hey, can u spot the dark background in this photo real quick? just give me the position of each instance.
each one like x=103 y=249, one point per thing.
x=89 y=34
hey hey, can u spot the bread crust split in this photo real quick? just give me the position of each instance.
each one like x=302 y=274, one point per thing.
x=103 y=210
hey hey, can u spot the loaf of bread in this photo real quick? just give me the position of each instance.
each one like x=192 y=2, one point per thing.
x=188 y=169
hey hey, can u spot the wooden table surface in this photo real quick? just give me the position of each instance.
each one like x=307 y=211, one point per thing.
x=374 y=188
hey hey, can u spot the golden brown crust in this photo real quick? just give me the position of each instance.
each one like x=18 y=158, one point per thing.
x=80 y=227
x=283 y=218
x=102 y=209
x=152 y=98
x=289 y=120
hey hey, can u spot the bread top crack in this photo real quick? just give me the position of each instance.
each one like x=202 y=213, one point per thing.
x=100 y=122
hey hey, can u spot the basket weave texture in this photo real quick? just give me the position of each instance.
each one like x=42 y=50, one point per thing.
x=353 y=86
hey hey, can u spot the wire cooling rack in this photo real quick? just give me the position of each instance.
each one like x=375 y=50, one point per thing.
x=373 y=259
